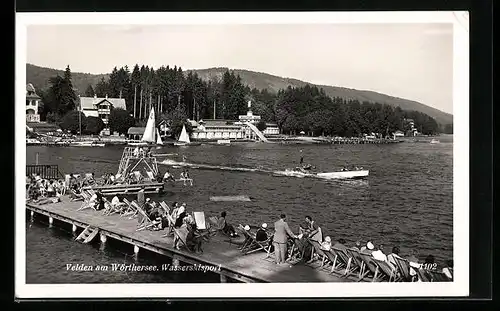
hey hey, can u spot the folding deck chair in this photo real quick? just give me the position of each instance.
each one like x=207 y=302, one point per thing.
x=146 y=222
x=346 y=261
x=403 y=266
x=130 y=211
x=423 y=275
x=437 y=276
x=182 y=239
x=316 y=248
x=374 y=268
x=358 y=262
x=202 y=228
x=387 y=271
x=151 y=176
x=88 y=200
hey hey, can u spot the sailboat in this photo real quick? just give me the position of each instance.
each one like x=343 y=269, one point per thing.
x=159 y=142
x=184 y=138
x=148 y=138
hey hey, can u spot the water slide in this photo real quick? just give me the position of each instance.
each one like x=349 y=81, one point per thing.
x=256 y=131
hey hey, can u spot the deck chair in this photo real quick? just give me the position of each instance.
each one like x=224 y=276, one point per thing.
x=346 y=261
x=316 y=248
x=437 y=276
x=165 y=207
x=202 y=227
x=358 y=262
x=146 y=222
x=180 y=237
x=423 y=275
x=88 y=200
x=404 y=269
x=387 y=271
x=372 y=266
x=130 y=211
x=171 y=223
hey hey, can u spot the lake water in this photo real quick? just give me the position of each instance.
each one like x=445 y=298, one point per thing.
x=407 y=200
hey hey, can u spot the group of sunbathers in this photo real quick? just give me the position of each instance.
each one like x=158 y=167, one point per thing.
x=142 y=152
x=41 y=190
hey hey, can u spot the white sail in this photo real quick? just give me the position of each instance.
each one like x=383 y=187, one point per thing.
x=158 y=138
x=149 y=131
x=184 y=135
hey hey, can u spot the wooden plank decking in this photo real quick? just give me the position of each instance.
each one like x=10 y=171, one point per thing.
x=247 y=268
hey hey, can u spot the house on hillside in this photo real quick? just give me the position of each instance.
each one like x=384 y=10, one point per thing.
x=32 y=103
x=100 y=107
x=410 y=126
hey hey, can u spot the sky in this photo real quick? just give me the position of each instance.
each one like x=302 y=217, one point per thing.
x=411 y=61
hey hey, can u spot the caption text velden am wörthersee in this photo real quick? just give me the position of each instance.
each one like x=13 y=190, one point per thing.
x=120 y=267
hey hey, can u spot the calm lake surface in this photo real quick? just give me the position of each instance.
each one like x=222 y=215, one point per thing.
x=407 y=201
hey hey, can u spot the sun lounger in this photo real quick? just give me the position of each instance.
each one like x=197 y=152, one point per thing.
x=252 y=245
x=165 y=207
x=130 y=210
x=181 y=235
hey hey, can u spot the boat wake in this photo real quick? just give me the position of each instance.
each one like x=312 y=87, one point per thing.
x=260 y=169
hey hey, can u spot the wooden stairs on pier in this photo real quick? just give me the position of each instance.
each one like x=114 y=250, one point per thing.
x=87 y=235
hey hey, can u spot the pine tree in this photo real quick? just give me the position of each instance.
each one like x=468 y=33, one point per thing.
x=89 y=92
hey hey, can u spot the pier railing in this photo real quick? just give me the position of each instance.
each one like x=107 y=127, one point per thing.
x=44 y=171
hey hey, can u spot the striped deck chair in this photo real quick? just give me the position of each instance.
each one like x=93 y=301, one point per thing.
x=138 y=176
x=403 y=267
x=316 y=248
x=171 y=223
x=358 y=261
x=373 y=267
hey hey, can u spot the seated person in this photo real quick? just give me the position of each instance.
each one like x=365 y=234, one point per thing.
x=327 y=244
x=115 y=201
x=168 y=176
x=192 y=240
x=227 y=228
x=448 y=270
x=391 y=257
x=429 y=263
x=99 y=201
x=181 y=213
x=379 y=254
x=357 y=245
x=261 y=234
x=368 y=249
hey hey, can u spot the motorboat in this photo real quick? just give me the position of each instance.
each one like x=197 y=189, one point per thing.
x=86 y=144
x=435 y=141
x=344 y=174
x=223 y=142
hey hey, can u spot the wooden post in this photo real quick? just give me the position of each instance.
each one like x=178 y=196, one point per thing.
x=223 y=278
x=32 y=214
x=104 y=238
x=175 y=261
x=73 y=228
x=136 y=249
x=51 y=220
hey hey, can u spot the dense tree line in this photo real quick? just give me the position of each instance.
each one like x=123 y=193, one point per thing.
x=177 y=96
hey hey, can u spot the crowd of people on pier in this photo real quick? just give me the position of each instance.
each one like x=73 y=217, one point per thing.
x=307 y=244
x=43 y=190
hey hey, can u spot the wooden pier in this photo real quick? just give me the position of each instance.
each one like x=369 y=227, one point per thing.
x=219 y=251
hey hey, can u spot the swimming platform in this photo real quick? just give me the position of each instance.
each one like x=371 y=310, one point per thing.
x=219 y=251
